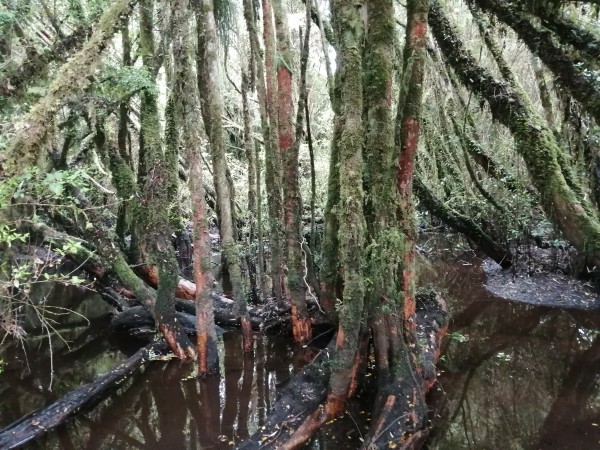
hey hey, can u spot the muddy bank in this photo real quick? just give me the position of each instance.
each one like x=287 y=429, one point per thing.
x=543 y=289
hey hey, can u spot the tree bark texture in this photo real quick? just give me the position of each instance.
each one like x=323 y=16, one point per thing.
x=212 y=112
x=187 y=98
x=289 y=146
x=273 y=163
x=541 y=42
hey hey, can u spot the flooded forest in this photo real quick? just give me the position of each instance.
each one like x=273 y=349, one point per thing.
x=300 y=224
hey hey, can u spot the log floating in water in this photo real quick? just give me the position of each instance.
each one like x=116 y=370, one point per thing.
x=36 y=424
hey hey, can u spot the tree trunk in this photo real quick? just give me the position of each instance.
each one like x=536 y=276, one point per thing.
x=212 y=112
x=568 y=73
x=187 y=106
x=273 y=163
x=152 y=226
x=351 y=231
x=255 y=270
x=289 y=147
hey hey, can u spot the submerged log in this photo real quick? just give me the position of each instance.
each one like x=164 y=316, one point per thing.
x=46 y=419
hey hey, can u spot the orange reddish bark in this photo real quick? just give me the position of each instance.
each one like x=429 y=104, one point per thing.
x=284 y=89
x=336 y=404
x=385 y=411
x=307 y=430
x=248 y=344
x=185 y=288
x=170 y=336
x=407 y=157
x=202 y=344
x=301 y=326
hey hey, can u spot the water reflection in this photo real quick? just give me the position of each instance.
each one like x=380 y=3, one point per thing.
x=515 y=376
x=512 y=376
x=167 y=407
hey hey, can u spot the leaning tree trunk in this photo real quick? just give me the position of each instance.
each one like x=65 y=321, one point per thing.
x=212 y=112
x=535 y=142
x=569 y=73
x=26 y=147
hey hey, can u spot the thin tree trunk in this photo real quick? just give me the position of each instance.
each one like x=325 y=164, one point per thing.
x=289 y=147
x=254 y=273
x=273 y=163
x=268 y=135
x=212 y=111
x=186 y=93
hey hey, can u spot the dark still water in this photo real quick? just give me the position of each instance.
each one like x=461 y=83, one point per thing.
x=512 y=376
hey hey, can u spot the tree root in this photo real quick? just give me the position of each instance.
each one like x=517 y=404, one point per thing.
x=400 y=413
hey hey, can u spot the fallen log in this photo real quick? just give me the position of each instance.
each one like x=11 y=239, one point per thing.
x=138 y=322
x=46 y=419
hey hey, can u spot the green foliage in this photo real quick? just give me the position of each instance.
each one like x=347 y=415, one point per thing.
x=455 y=336
x=36 y=188
x=122 y=82
x=7 y=18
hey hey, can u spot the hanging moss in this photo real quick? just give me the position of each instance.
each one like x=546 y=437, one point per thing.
x=27 y=146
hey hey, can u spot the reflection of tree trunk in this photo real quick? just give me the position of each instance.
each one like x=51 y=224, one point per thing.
x=207 y=412
x=171 y=408
x=503 y=330
x=233 y=361
x=262 y=394
x=142 y=420
x=244 y=398
x=48 y=418
x=572 y=403
x=104 y=427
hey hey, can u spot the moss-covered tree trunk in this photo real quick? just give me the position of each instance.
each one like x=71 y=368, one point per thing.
x=212 y=112
x=254 y=269
x=351 y=231
x=535 y=142
x=152 y=225
x=261 y=90
x=289 y=147
x=273 y=163
x=27 y=146
x=185 y=92
x=569 y=73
